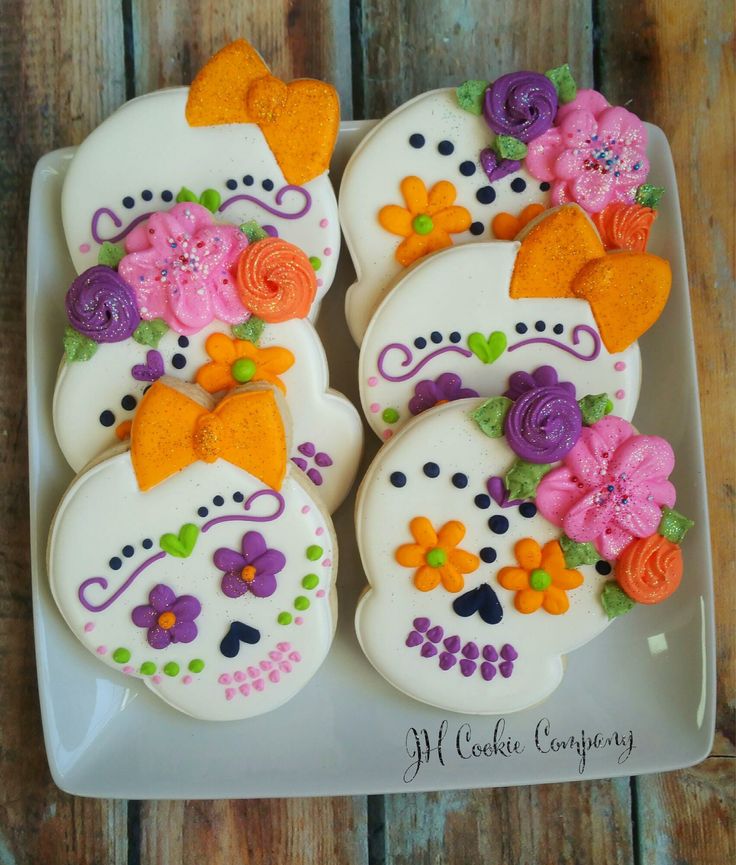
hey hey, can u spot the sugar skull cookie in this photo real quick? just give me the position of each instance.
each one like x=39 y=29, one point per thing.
x=477 y=163
x=459 y=323
x=498 y=535
x=197 y=558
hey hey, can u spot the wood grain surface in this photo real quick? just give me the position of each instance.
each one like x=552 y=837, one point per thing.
x=67 y=65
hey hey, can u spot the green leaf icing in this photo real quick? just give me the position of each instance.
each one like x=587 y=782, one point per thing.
x=470 y=96
x=253 y=231
x=491 y=415
x=648 y=195
x=523 y=478
x=250 y=330
x=180 y=545
x=150 y=332
x=185 y=194
x=615 y=601
x=564 y=83
x=210 y=199
x=77 y=346
x=674 y=525
x=487 y=349
x=508 y=147
x=110 y=254
x=594 y=406
x=577 y=554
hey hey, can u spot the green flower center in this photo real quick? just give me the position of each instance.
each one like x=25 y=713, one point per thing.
x=243 y=369
x=422 y=224
x=436 y=558
x=540 y=580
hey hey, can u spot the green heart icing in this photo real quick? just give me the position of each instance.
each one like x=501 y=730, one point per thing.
x=180 y=545
x=470 y=96
x=674 y=525
x=150 y=332
x=110 y=254
x=77 y=346
x=491 y=415
x=523 y=478
x=614 y=600
x=250 y=330
x=253 y=231
x=210 y=199
x=564 y=83
x=185 y=194
x=487 y=349
x=578 y=554
x=594 y=406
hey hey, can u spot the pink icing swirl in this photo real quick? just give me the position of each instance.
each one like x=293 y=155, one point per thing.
x=101 y=306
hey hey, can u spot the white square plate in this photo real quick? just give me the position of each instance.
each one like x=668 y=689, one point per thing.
x=650 y=678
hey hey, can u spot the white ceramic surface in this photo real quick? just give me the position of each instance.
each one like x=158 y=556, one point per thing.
x=650 y=677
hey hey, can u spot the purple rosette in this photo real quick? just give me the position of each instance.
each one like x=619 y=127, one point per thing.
x=520 y=104
x=101 y=305
x=543 y=424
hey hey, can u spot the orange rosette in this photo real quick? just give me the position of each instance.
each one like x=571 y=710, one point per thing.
x=625 y=226
x=276 y=280
x=650 y=569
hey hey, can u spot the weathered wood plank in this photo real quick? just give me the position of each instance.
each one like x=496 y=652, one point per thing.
x=408 y=47
x=297 y=39
x=257 y=832
x=61 y=73
x=685 y=58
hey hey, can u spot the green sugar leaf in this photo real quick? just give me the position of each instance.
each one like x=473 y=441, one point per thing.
x=491 y=415
x=577 y=554
x=564 y=83
x=648 y=195
x=185 y=194
x=523 y=478
x=150 y=332
x=110 y=254
x=470 y=95
x=77 y=346
x=210 y=199
x=250 y=330
x=615 y=601
x=253 y=231
x=674 y=525
x=508 y=147
x=594 y=406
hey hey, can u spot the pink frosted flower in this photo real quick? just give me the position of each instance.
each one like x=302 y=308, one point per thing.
x=610 y=488
x=181 y=266
x=594 y=155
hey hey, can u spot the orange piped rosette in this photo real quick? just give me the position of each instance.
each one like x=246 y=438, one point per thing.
x=625 y=226
x=650 y=569
x=276 y=280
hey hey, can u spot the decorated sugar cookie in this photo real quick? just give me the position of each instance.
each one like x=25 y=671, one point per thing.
x=498 y=535
x=198 y=559
x=458 y=324
x=479 y=162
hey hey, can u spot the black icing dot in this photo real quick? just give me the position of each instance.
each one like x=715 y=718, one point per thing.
x=476 y=228
x=603 y=568
x=115 y=563
x=527 y=509
x=482 y=501
x=107 y=418
x=420 y=342
x=498 y=524
x=467 y=168
x=446 y=147
x=248 y=180
x=128 y=551
x=128 y=402
x=486 y=195
x=202 y=512
x=178 y=361
x=238 y=497
x=431 y=470
x=459 y=480
x=558 y=328
x=416 y=140
x=147 y=543
x=218 y=501
x=544 y=186
x=146 y=195
x=267 y=185
x=455 y=336
x=183 y=342
x=231 y=184
x=518 y=184
x=488 y=555
x=128 y=202
x=436 y=337
x=398 y=479
x=167 y=195
x=521 y=327
x=540 y=326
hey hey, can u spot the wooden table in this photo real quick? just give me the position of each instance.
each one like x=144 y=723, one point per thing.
x=67 y=65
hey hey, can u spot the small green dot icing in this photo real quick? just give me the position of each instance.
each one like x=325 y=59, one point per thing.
x=315 y=262
x=196 y=666
x=311 y=581
x=540 y=580
x=436 y=557
x=121 y=655
x=243 y=369
x=284 y=618
x=422 y=224
x=390 y=415
x=171 y=669
x=314 y=552
x=301 y=603
x=148 y=668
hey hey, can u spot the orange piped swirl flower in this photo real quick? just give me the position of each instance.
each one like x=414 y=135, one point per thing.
x=238 y=361
x=276 y=280
x=435 y=555
x=427 y=221
x=541 y=580
x=650 y=569
x=625 y=226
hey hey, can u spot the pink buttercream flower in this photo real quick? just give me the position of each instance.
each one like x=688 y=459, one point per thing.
x=611 y=486
x=181 y=266
x=594 y=155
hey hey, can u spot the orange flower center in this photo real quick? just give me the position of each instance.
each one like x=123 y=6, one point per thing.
x=166 y=620
x=248 y=574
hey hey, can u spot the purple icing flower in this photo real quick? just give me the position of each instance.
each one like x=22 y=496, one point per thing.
x=544 y=376
x=252 y=570
x=169 y=619
x=445 y=388
x=101 y=305
x=520 y=104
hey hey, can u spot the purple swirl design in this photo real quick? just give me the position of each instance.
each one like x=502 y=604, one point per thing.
x=409 y=357
x=520 y=104
x=280 y=507
x=117 y=222
x=576 y=331
x=101 y=305
x=279 y=198
x=543 y=424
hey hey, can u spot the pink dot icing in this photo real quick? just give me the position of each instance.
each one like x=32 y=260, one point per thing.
x=275 y=656
x=619 y=366
x=274 y=676
x=127 y=669
x=186 y=680
x=323 y=223
x=327 y=250
x=156 y=679
x=320 y=531
x=239 y=676
x=321 y=593
x=372 y=381
x=327 y=563
x=620 y=394
x=305 y=509
x=102 y=650
x=295 y=657
x=320 y=283
x=259 y=684
x=285 y=667
x=229 y=693
x=374 y=407
x=265 y=665
x=283 y=647
x=90 y=626
x=224 y=679
x=244 y=690
x=298 y=620
x=254 y=672
x=84 y=248
x=386 y=434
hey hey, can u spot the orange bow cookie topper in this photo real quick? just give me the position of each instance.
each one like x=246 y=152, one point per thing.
x=561 y=255
x=171 y=431
x=299 y=120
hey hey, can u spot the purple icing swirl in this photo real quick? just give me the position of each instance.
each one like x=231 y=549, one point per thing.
x=520 y=104
x=101 y=305
x=543 y=424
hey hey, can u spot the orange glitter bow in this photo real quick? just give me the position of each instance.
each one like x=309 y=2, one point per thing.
x=299 y=120
x=171 y=431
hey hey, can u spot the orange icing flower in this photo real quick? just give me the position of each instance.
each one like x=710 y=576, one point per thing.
x=435 y=555
x=427 y=221
x=276 y=280
x=505 y=226
x=624 y=226
x=650 y=569
x=542 y=580
x=237 y=361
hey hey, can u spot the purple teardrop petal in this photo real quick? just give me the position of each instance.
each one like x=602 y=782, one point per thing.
x=467 y=668
x=323 y=460
x=435 y=634
x=452 y=644
x=489 y=653
x=421 y=624
x=429 y=650
x=509 y=653
x=447 y=660
x=307 y=449
x=315 y=477
x=414 y=639
x=300 y=462
x=470 y=650
x=488 y=671
x=506 y=668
